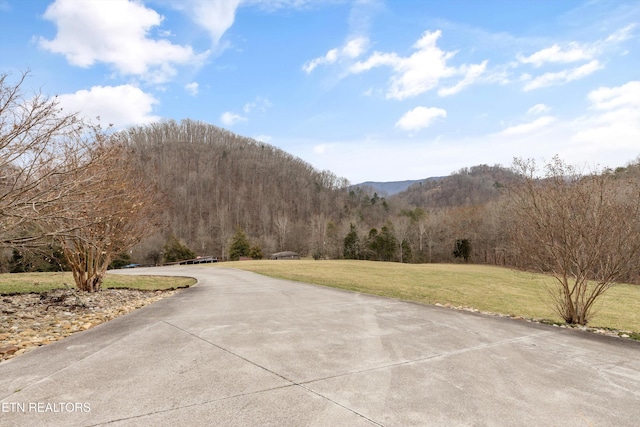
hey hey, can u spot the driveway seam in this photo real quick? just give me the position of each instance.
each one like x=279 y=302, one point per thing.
x=292 y=383
x=432 y=357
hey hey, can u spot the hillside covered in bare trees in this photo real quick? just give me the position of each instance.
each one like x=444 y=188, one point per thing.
x=216 y=181
x=218 y=189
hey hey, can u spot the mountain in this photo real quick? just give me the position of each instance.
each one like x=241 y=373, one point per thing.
x=392 y=187
x=476 y=185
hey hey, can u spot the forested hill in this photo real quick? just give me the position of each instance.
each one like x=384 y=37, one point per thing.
x=215 y=181
x=476 y=185
x=388 y=188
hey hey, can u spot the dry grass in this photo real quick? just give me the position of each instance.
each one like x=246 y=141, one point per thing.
x=486 y=288
x=42 y=282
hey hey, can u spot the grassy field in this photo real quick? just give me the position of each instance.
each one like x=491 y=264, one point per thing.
x=42 y=282
x=486 y=288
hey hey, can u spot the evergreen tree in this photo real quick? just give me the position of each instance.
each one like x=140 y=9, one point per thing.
x=175 y=251
x=383 y=245
x=462 y=249
x=406 y=250
x=352 y=244
x=387 y=244
x=256 y=252
x=240 y=246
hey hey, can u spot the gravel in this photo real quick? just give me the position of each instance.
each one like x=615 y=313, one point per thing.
x=28 y=321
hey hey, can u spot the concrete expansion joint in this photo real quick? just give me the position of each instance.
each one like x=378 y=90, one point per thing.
x=429 y=358
x=292 y=383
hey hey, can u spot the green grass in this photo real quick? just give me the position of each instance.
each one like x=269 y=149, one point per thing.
x=486 y=288
x=42 y=282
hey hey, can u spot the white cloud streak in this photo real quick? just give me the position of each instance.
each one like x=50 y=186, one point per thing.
x=616 y=125
x=353 y=48
x=214 y=16
x=564 y=76
x=556 y=54
x=471 y=75
x=229 y=119
x=527 y=128
x=419 y=118
x=421 y=71
x=538 y=109
x=627 y=95
x=571 y=53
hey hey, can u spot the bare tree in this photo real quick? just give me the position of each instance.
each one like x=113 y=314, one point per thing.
x=117 y=207
x=282 y=226
x=583 y=229
x=35 y=138
x=318 y=228
x=401 y=226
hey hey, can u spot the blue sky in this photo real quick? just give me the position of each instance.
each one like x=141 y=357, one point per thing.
x=368 y=89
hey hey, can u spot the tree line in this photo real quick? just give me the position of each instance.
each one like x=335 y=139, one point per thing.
x=86 y=197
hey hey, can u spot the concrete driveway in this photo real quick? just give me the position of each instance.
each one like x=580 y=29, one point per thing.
x=240 y=349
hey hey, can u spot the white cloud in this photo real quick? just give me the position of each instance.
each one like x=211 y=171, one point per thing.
x=323 y=148
x=564 y=76
x=115 y=32
x=121 y=106
x=627 y=95
x=538 y=109
x=229 y=119
x=215 y=16
x=621 y=35
x=572 y=52
x=192 y=88
x=353 y=48
x=527 y=128
x=271 y=5
x=421 y=71
x=616 y=125
x=556 y=54
x=471 y=74
x=261 y=104
x=263 y=138
x=420 y=117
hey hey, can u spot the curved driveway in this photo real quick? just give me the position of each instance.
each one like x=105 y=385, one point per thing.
x=241 y=349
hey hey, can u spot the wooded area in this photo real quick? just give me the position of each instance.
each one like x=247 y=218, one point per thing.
x=151 y=193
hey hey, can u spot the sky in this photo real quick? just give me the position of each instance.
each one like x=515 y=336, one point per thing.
x=371 y=90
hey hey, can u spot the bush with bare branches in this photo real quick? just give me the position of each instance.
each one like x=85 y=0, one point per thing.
x=582 y=228
x=35 y=138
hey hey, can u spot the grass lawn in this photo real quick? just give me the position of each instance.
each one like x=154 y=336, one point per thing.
x=42 y=282
x=486 y=288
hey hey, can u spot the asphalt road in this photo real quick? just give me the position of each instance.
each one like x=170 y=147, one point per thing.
x=240 y=349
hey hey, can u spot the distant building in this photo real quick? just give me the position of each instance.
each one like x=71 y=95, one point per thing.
x=285 y=255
